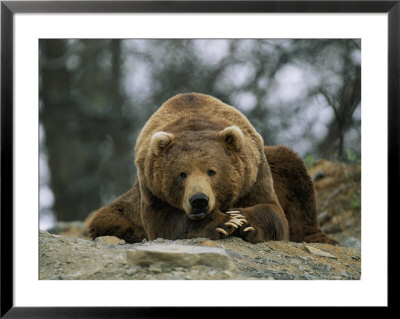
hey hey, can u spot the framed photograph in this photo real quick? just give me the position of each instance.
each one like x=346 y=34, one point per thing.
x=80 y=80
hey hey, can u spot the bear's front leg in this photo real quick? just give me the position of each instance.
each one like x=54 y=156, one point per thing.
x=264 y=223
x=109 y=221
x=217 y=225
x=172 y=224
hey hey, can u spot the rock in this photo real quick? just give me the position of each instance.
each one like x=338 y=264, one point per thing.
x=174 y=255
x=318 y=252
x=155 y=269
x=352 y=242
x=323 y=217
x=332 y=228
x=109 y=240
x=208 y=243
x=327 y=268
x=306 y=258
x=318 y=175
x=131 y=271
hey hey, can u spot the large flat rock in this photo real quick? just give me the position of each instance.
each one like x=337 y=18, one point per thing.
x=176 y=255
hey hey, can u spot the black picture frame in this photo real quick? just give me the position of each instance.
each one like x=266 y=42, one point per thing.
x=9 y=8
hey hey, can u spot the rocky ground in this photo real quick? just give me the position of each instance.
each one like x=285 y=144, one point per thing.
x=338 y=188
x=198 y=258
x=67 y=253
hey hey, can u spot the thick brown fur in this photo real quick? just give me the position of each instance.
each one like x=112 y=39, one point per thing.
x=296 y=194
x=197 y=145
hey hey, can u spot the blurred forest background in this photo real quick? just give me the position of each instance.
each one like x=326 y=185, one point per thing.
x=96 y=95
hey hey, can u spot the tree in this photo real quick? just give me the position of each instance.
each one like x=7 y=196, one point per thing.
x=85 y=129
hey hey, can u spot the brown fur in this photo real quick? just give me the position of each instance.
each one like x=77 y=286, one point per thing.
x=195 y=144
x=296 y=194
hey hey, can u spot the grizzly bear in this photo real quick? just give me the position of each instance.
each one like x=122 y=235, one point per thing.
x=203 y=171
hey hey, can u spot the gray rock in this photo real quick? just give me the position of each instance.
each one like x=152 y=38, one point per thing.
x=132 y=270
x=318 y=175
x=306 y=258
x=323 y=217
x=352 y=242
x=327 y=268
x=174 y=255
x=319 y=252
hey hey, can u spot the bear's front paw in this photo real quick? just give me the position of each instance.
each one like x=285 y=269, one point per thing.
x=248 y=233
x=252 y=235
x=235 y=221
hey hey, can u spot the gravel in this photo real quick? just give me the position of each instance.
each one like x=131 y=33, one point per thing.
x=67 y=258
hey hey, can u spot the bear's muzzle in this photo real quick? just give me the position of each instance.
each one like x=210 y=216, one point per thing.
x=199 y=203
x=198 y=199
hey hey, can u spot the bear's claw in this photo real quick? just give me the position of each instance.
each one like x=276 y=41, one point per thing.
x=240 y=221
x=248 y=229
x=220 y=230
x=231 y=223
x=237 y=216
x=235 y=221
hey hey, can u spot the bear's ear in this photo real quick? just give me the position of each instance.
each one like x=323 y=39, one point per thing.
x=232 y=136
x=159 y=141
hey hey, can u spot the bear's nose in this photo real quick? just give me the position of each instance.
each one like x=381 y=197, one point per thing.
x=199 y=201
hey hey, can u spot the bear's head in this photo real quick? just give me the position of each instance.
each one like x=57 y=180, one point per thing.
x=199 y=171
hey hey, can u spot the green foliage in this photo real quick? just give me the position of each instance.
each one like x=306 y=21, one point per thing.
x=309 y=161
x=355 y=201
x=352 y=157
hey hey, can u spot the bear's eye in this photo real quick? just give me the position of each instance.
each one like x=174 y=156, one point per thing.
x=210 y=172
x=183 y=175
